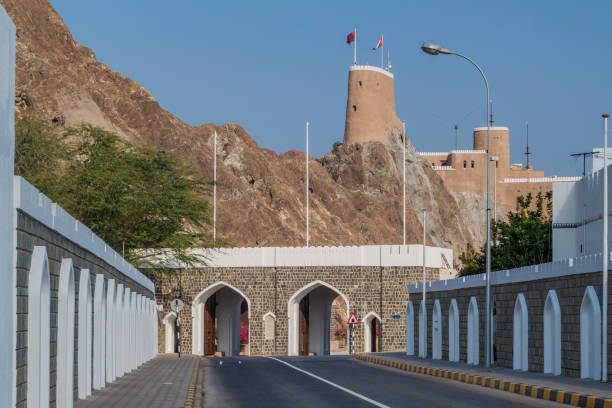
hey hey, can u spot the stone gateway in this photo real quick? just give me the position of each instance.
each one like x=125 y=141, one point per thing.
x=295 y=301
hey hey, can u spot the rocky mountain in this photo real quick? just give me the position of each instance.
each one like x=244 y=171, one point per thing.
x=355 y=190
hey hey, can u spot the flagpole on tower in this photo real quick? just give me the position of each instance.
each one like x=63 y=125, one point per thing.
x=382 y=53
x=355 y=48
x=307 y=193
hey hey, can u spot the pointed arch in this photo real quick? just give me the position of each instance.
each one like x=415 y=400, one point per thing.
x=410 y=329
x=293 y=312
x=520 y=335
x=85 y=334
x=436 y=331
x=369 y=341
x=197 y=314
x=65 y=335
x=473 y=335
x=453 y=331
x=422 y=330
x=590 y=335
x=552 y=334
x=169 y=322
x=39 y=330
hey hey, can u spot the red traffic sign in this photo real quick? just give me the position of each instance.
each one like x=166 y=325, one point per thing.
x=352 y=319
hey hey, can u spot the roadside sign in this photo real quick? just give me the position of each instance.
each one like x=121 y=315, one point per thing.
x=397 y=316
x=352 y=319
x=177 y=305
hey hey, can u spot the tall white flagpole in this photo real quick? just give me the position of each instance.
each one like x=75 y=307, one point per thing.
x=307 y=193
x=215 y=190
x=355 y=48
x=404 y=176
x=604 y=297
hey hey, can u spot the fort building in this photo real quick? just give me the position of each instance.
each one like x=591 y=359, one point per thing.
x=465 y=170
x=371 y=117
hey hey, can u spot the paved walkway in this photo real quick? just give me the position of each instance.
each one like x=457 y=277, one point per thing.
x=160 y=383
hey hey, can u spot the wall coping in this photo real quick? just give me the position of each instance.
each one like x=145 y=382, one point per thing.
x=38 y=206
x=370 y=68
x=570 y=266
x=366 y=255
x=542 y=179
x=478 y=129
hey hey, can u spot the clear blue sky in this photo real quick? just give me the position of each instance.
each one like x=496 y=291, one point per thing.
x=271 y=65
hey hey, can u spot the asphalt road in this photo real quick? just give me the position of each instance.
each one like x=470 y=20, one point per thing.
x=342 y=381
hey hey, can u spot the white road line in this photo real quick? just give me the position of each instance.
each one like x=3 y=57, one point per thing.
x=363 y=397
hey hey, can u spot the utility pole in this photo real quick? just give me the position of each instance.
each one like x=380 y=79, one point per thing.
x=307 y=192
x=604 y=296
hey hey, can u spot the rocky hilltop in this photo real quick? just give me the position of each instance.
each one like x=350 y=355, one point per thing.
x=355 y=189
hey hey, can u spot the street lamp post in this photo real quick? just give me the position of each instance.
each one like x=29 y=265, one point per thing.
x=434 y=49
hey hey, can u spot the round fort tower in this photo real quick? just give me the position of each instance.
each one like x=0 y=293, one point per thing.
x=370 y=106
x=500 y=146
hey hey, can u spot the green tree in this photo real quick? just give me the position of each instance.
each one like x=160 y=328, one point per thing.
x=131 y=197
x=524 y=239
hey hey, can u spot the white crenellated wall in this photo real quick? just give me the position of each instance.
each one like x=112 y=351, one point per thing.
x=34 y=203
x=366 y=255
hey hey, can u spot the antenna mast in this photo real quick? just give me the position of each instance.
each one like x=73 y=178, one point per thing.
x=527 y=152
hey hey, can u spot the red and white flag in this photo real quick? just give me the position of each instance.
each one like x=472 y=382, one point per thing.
x=351 y=37
x=380 y=43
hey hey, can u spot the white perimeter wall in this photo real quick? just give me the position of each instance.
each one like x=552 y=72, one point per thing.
x=7 y=227
x=579 y=203
x=37 y=205
x=367 y=255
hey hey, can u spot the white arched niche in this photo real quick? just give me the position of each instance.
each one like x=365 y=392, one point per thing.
x=169 y=322
x=410 y=329
x=99 y=336
x=369 y=341
x=436 y=331
x=228 y=318
x=65 y=335
x=85 y=334
x=422 y=330
x=552 y=334
x=590 y=335
x=39 y=330
x=453 y=331
x=520 y=335
x=320 y=316
x=269 y=322
x=119 y=329
x=473 y=335
x=110 y=331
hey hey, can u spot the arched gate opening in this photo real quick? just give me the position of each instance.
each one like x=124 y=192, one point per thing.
x=309 y=312
x=221 y=317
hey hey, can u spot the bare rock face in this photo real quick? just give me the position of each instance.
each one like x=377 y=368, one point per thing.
x=355 y=190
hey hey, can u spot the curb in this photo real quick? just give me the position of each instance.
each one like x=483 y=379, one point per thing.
x=193 y=385
x=548 y=394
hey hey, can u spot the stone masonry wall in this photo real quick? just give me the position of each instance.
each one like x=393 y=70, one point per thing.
x=381 y=290
x=570 y=290
x=31 y=233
